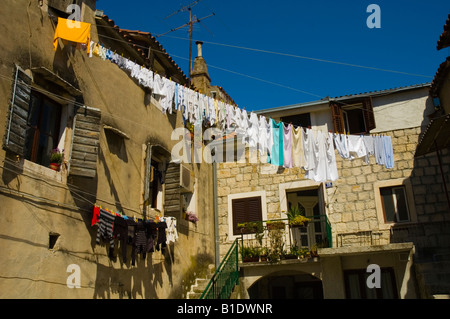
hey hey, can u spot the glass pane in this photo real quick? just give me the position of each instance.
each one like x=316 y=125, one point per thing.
x=402 y=207
x=371 y=293
x=49 y=118
x=386 y=285
x=304 y=240
x=388 y=204
x=353 y=284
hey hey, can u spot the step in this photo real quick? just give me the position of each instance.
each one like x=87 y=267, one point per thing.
x=441 y=296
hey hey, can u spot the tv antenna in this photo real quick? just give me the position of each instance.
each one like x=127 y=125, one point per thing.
x=190 y=24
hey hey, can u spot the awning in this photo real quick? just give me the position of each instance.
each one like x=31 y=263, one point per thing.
x=436 y=136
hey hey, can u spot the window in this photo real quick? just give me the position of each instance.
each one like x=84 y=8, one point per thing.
x=395 y=205
x=356 y=285
x=247 y=209
x=158 y=171
x=303 y=120
x=35 y=126
x=354 y=117
x=43 y=134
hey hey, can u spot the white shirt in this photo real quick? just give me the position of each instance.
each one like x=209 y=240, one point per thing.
x=263 y=136
x=253 y=131
x=340 y=140
x=332 y=172
x=356 y=146
x=158 y=84
x=171 y=230
x=308 y=149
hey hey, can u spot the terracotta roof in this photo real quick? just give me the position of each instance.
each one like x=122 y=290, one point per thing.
x=141 y=41
x=440 y=76
x=444 y=39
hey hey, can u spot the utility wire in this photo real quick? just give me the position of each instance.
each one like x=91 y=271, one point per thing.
x=303 y=57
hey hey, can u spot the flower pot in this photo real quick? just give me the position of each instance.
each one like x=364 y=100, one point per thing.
x=55 y=166
x=250 y=259
x=276 y=225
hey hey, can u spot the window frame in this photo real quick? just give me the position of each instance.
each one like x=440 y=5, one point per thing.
x=340 y=117
x=35 y=137
x=382 y=223
x=362 y=277
x=395 y=204
x=261 y=194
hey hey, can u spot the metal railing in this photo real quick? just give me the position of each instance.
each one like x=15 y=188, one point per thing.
x=316 y=234
x=226 y=276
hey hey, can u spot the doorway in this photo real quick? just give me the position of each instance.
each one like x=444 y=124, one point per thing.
x=287 y=286
x=310 y=203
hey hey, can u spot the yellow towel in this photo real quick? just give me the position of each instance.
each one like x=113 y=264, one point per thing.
x=297 y=147
x=79 y=32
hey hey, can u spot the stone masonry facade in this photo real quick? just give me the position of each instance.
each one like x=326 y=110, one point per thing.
x=351 y=204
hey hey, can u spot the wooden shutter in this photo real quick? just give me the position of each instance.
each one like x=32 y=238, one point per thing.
x=147 y=174
x=246 y=210
x=62 y=5
x=338 y=120
x=172 y=194
x=16 y=126
x=86 y=136
x=369 y=118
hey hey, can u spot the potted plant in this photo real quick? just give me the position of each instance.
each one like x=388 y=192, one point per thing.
x=272 y=225
x=296 y=217
x=313 y=251
x=250 y=254
x=250 y=228
x=56 y=158
x=293 y=253
x=303 y=253
x=276 y=242
x=263 y=254
x=191 y=217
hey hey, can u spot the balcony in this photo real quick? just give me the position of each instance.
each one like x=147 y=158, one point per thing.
x=273 y=241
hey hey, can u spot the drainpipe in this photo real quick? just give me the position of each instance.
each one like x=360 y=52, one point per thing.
x=216 y=214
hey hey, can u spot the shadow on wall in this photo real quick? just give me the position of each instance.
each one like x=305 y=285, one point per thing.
x=430 y=234
x=132 y=282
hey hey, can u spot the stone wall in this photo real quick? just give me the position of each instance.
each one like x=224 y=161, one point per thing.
x=352 y=204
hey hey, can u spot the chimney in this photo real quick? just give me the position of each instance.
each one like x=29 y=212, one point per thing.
x=199 y=48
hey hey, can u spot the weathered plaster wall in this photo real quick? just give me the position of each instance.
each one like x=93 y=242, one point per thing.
x=37 y=201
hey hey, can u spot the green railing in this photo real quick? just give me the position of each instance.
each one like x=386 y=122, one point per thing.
x=226 y=276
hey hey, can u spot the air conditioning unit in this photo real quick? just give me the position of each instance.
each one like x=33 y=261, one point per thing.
x=186 y=179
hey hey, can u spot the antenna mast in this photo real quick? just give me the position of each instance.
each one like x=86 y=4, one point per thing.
x=190 y=24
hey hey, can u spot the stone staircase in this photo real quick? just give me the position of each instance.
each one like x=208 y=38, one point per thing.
x=200 y=284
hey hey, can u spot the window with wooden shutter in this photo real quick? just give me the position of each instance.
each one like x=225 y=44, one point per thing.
x=247 y=209
x=338 y=119
x=172 y=191
x=86 y=135
x=16 y=126
x=369 y=118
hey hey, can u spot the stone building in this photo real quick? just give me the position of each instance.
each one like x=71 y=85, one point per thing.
x=115 y=138
x=352 y=229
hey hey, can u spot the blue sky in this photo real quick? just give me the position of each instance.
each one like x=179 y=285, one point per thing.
x=274 y=53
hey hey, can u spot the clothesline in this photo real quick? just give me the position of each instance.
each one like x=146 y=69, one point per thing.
x=144 y=236
x=258 y=133
x=266 y=135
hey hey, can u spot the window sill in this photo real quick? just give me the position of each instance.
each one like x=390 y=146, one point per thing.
x=46 y=172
